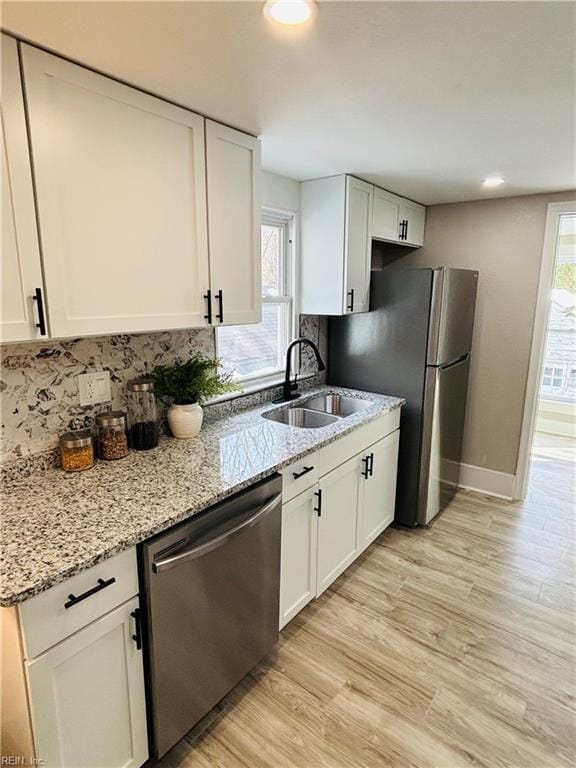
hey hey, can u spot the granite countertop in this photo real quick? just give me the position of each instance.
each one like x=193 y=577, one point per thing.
x=55 y=524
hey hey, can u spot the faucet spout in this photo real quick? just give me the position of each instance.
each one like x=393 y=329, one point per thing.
x=289 y=388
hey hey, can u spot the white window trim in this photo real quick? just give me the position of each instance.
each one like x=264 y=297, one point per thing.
x=287 y=219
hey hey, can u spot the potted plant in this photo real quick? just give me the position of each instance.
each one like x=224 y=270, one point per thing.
x=185 y=386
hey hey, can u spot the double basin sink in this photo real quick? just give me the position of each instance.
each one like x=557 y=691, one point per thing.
x=319 y=411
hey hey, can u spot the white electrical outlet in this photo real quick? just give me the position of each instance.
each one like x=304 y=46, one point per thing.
x=94 y=387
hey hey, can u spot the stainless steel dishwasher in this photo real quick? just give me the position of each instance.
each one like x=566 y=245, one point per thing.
x=211 y=606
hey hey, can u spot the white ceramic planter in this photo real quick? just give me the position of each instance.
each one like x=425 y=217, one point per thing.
x=185 y=420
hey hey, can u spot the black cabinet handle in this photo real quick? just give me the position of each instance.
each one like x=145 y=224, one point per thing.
x=350 y=306
x=366 y=470
x=220 y=313
x=405 y=229
x=102 y=584
x=318 y=507
x=305 y=471
x=208 y=297
x=41 y=324
x=371 y=466
x=137 y=637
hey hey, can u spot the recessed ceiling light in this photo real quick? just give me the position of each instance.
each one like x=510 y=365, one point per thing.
x=289 y=12
x=493 y=181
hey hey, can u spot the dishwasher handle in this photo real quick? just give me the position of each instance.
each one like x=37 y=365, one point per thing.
x=209 y=546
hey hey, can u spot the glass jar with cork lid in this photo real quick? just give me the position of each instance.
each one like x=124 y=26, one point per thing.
x=77 y=450
x=111 y=435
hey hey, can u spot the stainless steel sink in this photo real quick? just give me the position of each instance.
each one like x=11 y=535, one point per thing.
x=301 y=417
x=339 y=405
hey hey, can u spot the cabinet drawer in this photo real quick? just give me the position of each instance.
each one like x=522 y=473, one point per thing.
x=299 y=476
x=46 y=620
x=344 y=448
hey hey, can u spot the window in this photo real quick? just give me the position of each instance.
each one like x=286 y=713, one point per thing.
x=553 y=377
x=256 y=352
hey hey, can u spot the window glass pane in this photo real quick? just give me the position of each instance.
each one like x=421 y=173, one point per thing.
x=271 y=260
x=254 y=350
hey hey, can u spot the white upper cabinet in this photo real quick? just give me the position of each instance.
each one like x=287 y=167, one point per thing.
x=233 y=181
x=120 y=182
x=386 y=216
x=397 y=220
x=21 y=271
x=336 y=245
x=413 y=218
x=340 y=217
x=358 y=245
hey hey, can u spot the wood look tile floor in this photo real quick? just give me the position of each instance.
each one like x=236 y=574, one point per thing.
x=443 y=647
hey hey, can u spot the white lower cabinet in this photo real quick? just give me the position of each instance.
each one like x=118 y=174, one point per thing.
x=87 y=697
x=327 y=526
x=337 y=524
x=299 y=554
x=378 y=489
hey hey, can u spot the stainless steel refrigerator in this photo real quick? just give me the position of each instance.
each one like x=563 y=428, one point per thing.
x=415 y=343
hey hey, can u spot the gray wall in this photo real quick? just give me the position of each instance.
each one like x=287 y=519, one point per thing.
x=503 y=239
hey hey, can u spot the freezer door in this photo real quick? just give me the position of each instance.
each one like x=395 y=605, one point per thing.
x=444 y=414
x=452 y=314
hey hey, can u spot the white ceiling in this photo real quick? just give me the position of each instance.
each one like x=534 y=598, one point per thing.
x=424 y=98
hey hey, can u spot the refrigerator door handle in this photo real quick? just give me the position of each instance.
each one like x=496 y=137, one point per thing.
x=455 y=362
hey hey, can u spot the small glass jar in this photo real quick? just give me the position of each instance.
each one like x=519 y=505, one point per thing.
x=111 y=436
x=144 y=427
x=77 y=450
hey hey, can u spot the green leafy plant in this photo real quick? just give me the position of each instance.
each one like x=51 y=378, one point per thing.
x=193 y=381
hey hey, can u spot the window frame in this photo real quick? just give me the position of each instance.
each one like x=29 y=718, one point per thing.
x=286 y=220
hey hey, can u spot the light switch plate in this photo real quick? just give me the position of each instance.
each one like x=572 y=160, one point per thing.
x=94 y=387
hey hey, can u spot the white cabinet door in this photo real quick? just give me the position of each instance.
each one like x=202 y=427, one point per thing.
x=357 y=245
x=322 y=270
x=299 y=554
x=21 y=271
x=120 y=180
x=233 y=181
x=414 y=216
x=337 y=523
x=87 y=697
x=386 y=216
x=378 y=490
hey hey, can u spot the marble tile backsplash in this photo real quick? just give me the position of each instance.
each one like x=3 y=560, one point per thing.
x=39 y=389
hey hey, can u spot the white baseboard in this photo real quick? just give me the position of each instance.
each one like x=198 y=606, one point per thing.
x=487 y=481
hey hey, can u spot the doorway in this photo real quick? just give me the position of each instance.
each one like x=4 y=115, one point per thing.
x=549 y=460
